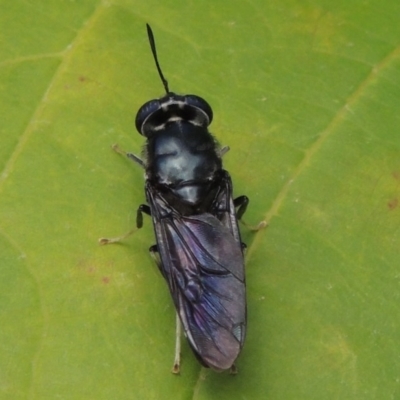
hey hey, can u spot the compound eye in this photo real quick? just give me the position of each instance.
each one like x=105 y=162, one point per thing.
x=145 y=112
x=154 y=115
x=200 y=104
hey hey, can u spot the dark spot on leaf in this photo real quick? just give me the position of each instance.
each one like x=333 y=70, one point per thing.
x=106 y=279
x=82 y=79
x=392 y=204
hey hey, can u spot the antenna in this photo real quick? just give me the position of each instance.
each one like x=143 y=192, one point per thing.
x=153 y=50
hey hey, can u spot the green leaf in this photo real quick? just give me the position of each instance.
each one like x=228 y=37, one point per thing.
x=305 y=94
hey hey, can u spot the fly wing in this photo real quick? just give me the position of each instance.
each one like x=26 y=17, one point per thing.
x=202 y=262
x=212 y=303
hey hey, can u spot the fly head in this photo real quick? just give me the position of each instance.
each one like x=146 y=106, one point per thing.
x=156 y=114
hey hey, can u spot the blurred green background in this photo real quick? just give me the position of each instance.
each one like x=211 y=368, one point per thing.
x=306 y=94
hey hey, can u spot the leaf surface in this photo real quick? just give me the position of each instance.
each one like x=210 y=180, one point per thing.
x=306 y=96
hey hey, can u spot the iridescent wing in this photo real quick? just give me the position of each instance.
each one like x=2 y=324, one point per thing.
x=202 y=261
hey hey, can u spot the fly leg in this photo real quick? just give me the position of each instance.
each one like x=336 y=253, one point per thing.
x=143 y=208
x=156 y=257
x=233 y=370
x=223 y=151
x=104 y=241
x=241 y=204
x=177 y=360
x=132 y=156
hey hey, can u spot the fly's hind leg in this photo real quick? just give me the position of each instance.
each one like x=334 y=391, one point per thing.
x=177 y=360
x=156 y=257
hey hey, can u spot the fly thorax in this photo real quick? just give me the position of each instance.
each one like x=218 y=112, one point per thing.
x=185 y=162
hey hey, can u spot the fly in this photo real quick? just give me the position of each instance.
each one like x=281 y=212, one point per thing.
x=198 y=247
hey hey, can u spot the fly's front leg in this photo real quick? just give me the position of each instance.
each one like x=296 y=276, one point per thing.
x=132 y=156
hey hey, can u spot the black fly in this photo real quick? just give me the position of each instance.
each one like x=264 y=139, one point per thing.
x=199 y=251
